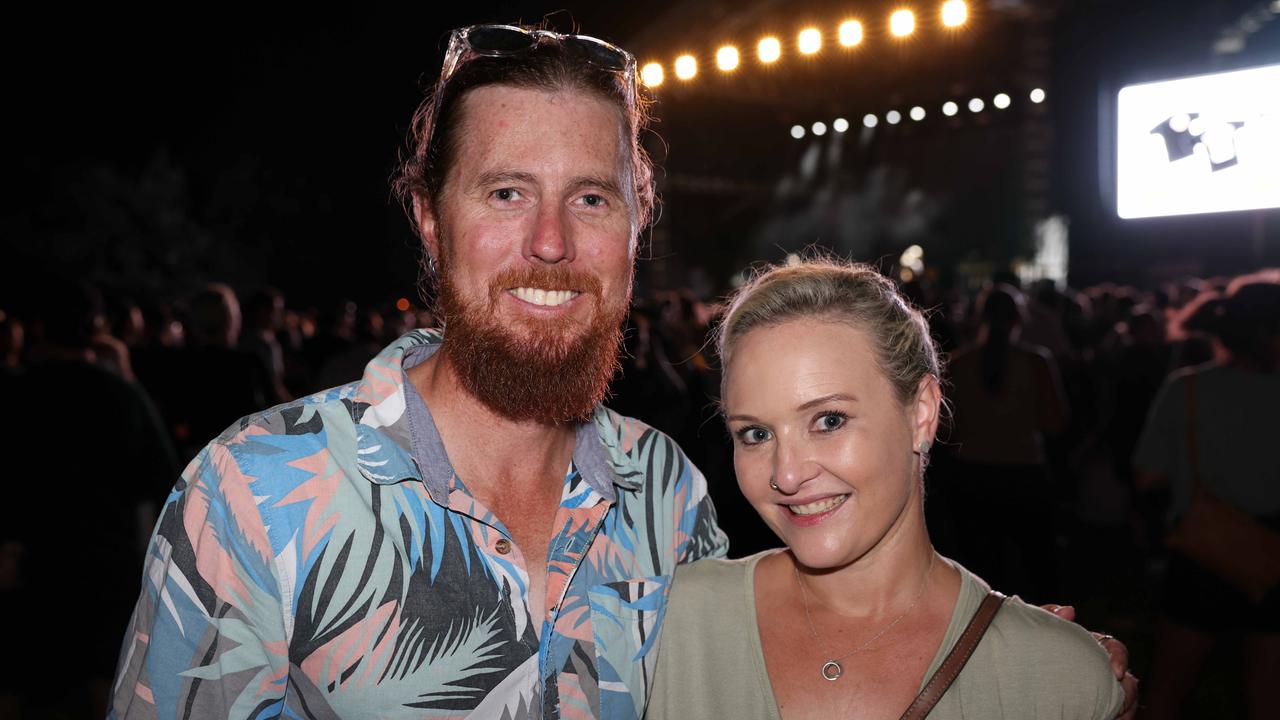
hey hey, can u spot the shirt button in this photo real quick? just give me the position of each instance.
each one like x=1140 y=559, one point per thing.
x=503 y=546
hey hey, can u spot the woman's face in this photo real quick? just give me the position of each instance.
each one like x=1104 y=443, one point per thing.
x=810 y=411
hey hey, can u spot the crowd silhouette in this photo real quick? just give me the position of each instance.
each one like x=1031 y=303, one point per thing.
x=1034 y=486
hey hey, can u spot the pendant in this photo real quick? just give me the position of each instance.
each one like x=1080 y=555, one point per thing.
x=832 y=671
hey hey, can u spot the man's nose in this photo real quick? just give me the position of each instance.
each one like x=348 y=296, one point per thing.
x=551 y=241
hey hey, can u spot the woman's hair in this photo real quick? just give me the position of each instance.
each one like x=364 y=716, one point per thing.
x=1001 y=308
x=840 y=291
x=1245 y=319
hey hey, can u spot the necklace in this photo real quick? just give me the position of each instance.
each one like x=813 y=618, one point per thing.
x=832 y=669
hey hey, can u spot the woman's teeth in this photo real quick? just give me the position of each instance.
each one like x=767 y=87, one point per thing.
x=820 y=506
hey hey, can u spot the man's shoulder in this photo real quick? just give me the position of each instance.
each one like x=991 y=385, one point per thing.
x=630 y=440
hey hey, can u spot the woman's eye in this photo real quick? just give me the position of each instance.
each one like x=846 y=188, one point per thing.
x=831 y=421
x=753 y=435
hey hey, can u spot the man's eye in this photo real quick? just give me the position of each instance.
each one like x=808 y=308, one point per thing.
x=593 y=200
x=506 y=194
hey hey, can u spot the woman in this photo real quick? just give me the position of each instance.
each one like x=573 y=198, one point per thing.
x=831 y=395
x=1007 y=396
x=1225 y=410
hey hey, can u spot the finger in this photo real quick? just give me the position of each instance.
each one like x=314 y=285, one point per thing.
x=1066 y=612
x=1117 y=652
x=1130 y=685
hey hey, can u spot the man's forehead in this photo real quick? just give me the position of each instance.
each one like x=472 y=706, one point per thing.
x=539 y=131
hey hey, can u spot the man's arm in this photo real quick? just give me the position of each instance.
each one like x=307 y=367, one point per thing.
x=207 y=638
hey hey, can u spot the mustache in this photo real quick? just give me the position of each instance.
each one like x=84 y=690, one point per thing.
x=550 y=277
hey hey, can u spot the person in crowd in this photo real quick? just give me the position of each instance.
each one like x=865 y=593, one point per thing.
x=87 y=466
x=832 y=394
x=263 y=322
x=1213 y=424
x=1007 y=396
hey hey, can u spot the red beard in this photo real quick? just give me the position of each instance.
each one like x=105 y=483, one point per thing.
x=549 y=371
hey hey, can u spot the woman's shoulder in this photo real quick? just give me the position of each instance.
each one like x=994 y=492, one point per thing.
x=1029 y=647
x=715 y=575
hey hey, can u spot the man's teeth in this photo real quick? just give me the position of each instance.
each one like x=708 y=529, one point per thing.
x=538 y=296
x=820 y=506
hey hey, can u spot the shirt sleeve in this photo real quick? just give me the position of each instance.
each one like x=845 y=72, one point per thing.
x=207 y=637
x=699 y=523
x=1164 y=433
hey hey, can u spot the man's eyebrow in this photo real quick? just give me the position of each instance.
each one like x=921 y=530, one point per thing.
x=498 y=177
x=826 y=399
x=596 y=181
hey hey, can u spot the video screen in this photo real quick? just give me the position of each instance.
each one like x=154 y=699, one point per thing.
x=1202 y=144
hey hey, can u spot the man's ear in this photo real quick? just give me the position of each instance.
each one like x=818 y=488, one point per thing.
x=425 y=216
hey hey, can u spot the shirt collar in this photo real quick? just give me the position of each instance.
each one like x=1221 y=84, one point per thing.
x=393 y=409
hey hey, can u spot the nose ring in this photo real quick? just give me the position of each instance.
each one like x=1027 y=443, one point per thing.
x=775 y=487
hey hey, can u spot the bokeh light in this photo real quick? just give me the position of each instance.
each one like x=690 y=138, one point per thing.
x=769 y=50
x=651 y=74
x=727 y=58
x=686 y=67
x=850 y=32
x=902 y=23
x=954 y=13
x=809 y=41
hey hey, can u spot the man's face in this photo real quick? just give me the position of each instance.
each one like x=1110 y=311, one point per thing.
x=534 y=238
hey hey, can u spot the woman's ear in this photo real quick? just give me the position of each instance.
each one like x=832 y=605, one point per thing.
x=925 y=410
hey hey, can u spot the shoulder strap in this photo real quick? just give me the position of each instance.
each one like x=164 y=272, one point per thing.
x=956 y=659
x=1193 y=447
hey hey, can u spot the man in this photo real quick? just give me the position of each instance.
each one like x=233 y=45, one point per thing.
x=412 y=545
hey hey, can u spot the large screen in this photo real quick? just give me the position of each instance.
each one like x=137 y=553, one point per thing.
x=1208 y=143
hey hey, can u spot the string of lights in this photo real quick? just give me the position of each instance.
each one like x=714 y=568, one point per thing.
x=950 y=108
x=850 y=33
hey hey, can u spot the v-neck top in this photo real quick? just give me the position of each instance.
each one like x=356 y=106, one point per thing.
x=1030 y=664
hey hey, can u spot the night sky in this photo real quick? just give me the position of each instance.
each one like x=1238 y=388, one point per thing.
x=151 y=151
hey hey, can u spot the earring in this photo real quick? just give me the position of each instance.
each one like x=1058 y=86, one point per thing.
x=775 y=487
x=924 y=447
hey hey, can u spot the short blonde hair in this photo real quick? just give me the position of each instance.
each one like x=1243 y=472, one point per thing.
x=840 y=291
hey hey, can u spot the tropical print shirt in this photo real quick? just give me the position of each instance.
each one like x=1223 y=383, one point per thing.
x=322 y=560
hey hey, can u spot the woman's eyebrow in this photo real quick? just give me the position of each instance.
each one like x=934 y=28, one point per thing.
x=833 y=397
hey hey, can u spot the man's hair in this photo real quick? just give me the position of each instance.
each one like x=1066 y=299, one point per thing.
x=433 y=138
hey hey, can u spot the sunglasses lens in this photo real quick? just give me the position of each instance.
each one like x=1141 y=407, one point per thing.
x=597 y=53
x=501 y=40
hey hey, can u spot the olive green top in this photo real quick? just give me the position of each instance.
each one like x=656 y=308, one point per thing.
x=1030 y=664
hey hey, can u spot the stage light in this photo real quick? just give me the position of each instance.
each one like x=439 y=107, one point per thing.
x=840 y=125
x=976 y=105
x=893 y=117
x=651 y=74
x=769 y=50
x=1037 y=96
x=819 y=128
x=1001 y=101
x=870 y=120
x=686 y=67
x=809 y=41
x=850 y=33
x=917 y=113
x=949 y=108
x=954 y=13
x=727 y=58
x=902 y=23
x=797 y=131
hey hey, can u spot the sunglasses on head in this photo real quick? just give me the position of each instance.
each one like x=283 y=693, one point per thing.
x=507 y=40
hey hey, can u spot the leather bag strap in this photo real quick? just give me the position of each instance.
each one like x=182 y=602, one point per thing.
x=956 y=659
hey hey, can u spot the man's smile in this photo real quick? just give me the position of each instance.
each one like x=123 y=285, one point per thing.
x=540 y=296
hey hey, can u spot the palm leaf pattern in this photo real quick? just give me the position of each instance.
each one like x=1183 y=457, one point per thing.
x=308 y=565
